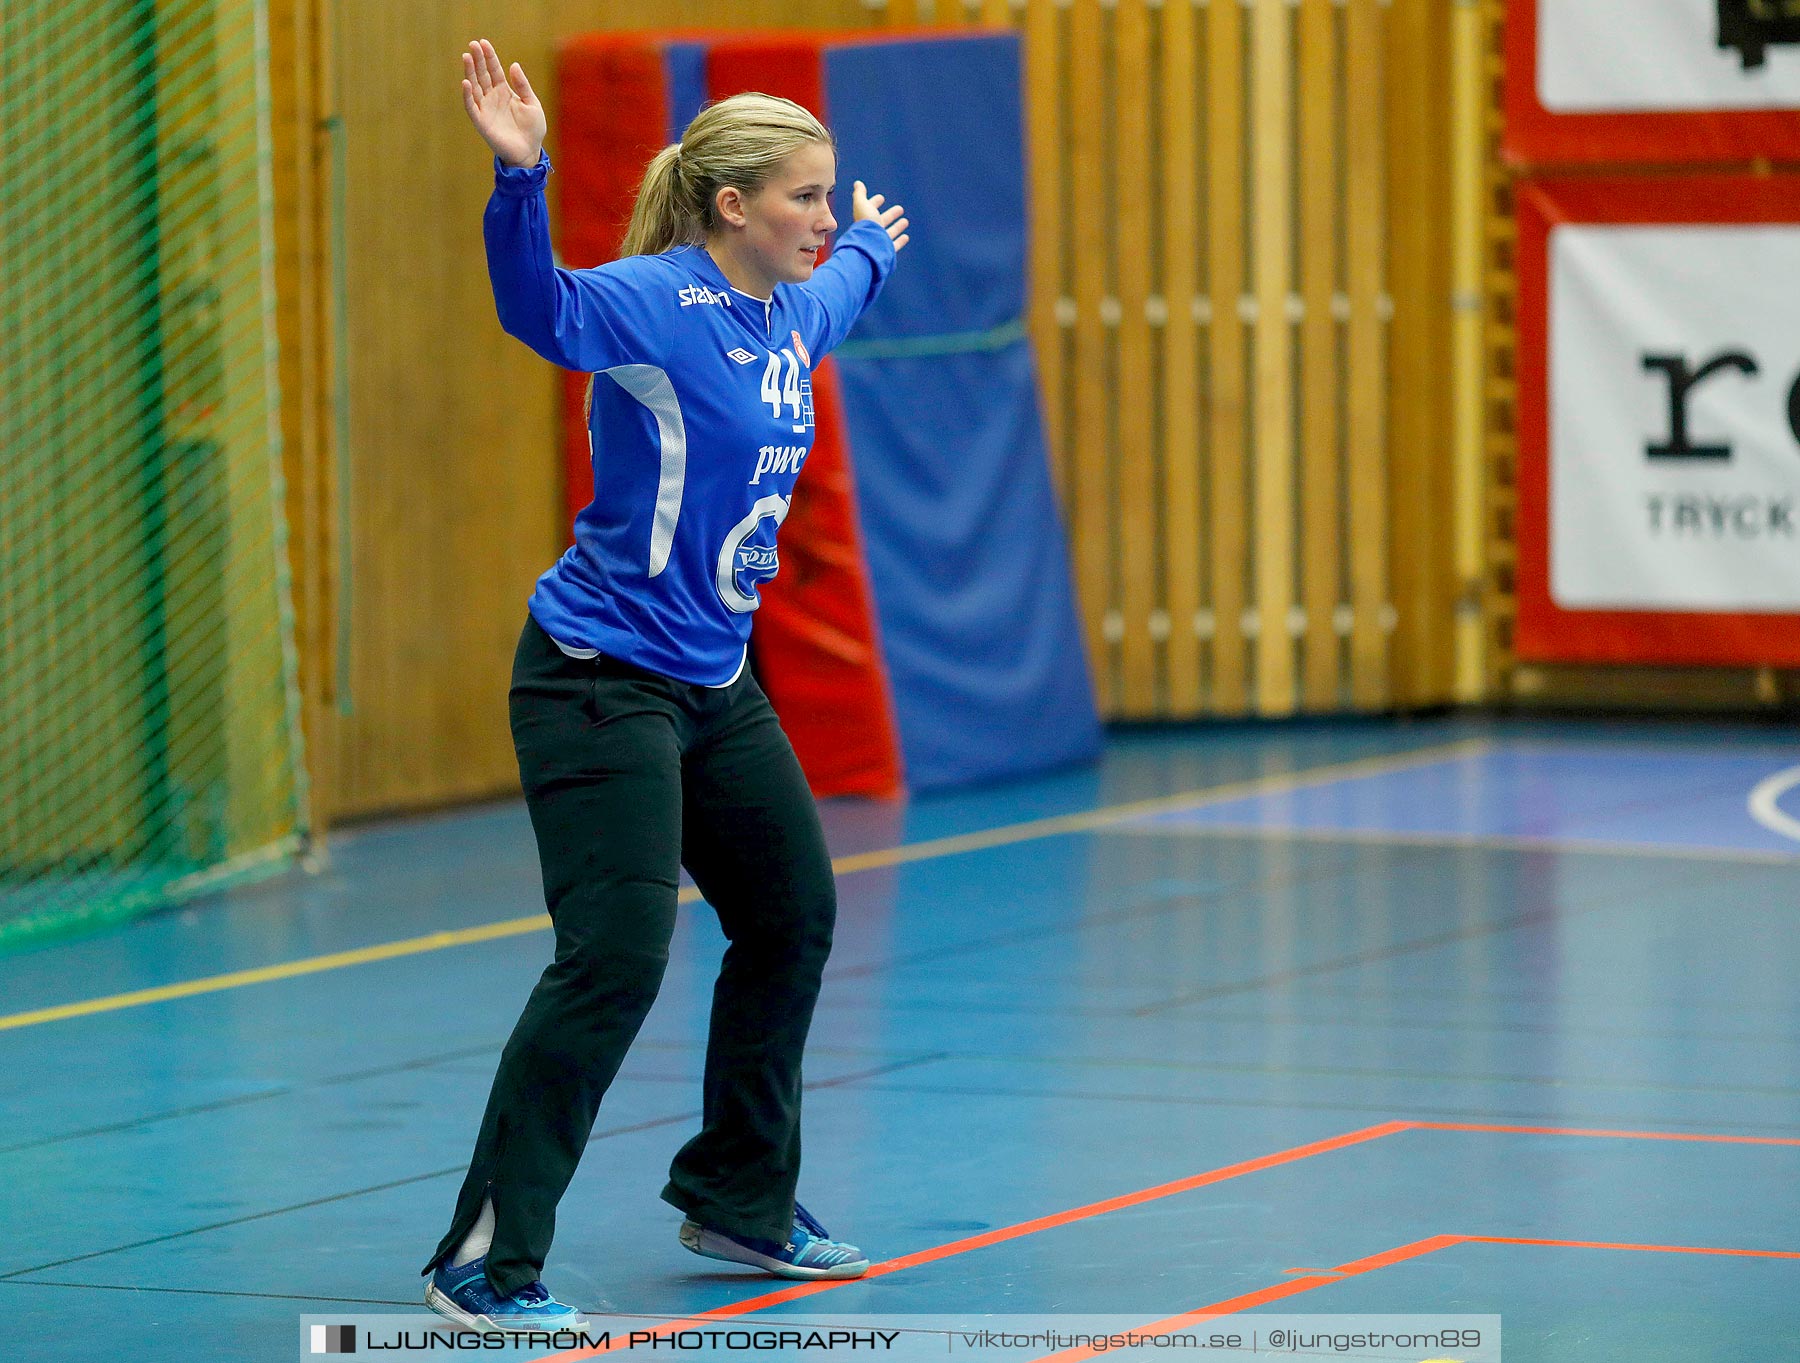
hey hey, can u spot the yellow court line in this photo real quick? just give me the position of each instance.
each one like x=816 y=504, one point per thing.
x=1051 y=827
x=1163 y=804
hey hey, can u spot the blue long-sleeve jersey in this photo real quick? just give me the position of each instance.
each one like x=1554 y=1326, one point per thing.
x=702 y=418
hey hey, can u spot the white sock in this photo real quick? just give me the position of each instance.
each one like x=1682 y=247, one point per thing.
x=479 y=1238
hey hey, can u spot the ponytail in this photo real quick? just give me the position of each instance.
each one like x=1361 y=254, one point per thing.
x=664 y=215
x=738 y=142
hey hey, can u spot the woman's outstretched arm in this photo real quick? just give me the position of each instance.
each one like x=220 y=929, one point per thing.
x=860 y=260
x=502 y=106
x=585 y=320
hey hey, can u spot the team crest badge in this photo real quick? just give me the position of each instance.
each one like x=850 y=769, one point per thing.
x=800 y=351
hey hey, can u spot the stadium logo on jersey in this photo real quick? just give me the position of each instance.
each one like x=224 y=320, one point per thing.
x=800 y=350
x=699 y=293
x=741 y=355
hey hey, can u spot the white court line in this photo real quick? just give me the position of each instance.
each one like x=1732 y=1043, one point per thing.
x=1499 y=842
x=1765 y=807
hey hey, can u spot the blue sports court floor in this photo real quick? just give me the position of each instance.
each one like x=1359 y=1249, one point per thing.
x=1451 y=1016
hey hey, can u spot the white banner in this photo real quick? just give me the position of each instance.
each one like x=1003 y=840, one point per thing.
x=1619 y=56
x=1674 y=374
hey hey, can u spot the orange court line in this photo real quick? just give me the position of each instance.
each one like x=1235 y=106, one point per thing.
x=1642 y=1249
x=1275 y=1292
x=1621 y=1135
x=1386 y=1258
x=1004 y=1233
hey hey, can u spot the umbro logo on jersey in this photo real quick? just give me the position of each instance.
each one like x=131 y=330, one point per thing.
x=699 y=293
x=741 y=355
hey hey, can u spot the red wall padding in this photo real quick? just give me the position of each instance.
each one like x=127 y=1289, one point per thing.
x=613 y=115
x=816 y=644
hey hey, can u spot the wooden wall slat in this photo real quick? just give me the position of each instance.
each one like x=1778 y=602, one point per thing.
x=1273 y=483
x=1494 y=278
x=1089 y=516
x=1045 y=165
x=299 y=95
x=319 y=539
x=1227 y=457
x=332 y=363
x=1421 y=422
x=1366 y=248
x=1470 y=118
x=1180 y=208
x=1320 y=510
x=290 y=68
x=1138 y=502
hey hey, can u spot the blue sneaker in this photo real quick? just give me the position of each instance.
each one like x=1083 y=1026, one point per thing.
x=465 y=1296
x=809 y=1252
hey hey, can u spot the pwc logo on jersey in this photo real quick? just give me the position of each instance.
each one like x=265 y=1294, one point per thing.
x=699 y=293
x=778 y=459
x=748 y=558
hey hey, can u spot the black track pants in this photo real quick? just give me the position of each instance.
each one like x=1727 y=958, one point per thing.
x=629 y=776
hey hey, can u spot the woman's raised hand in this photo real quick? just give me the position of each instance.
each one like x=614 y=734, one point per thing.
x=501 y=105
x=862 y=206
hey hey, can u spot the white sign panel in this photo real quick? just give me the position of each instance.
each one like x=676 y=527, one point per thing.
x=1620 y=56
x=1674 y=462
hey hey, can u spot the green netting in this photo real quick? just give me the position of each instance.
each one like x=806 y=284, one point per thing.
x=148 y=712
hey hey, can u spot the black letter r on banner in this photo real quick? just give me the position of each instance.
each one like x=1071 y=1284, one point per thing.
x=1681 y=383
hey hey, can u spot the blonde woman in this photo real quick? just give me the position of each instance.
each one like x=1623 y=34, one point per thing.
x=644 y=743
